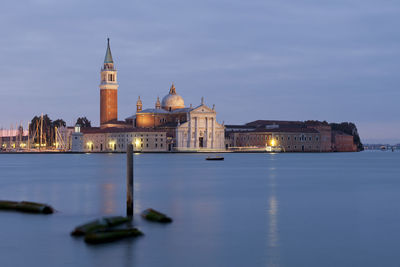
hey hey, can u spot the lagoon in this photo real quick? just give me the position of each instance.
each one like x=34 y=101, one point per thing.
x=287 y=209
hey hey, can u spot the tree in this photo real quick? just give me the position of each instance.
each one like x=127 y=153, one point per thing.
x=59 y=123
x=83 y=122
x=47 y=129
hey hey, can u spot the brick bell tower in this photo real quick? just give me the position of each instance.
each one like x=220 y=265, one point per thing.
x=108 y=90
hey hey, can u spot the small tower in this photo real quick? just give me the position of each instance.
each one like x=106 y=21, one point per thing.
x=77 y=139
x=139 y=105
x=158 y=104
x=108 y=89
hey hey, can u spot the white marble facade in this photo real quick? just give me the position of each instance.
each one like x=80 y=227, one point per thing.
x=201 y=131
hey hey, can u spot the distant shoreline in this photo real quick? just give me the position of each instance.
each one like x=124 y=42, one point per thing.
x=172 y=152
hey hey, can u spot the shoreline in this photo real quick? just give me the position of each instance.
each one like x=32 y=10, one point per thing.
x=167 y=152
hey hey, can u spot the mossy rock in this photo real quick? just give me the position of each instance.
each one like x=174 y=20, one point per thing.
x=155 y=216
x=111 y=235
x=99 y=225
x=26 y=206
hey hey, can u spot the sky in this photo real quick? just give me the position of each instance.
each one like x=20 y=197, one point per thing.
x=278 y=60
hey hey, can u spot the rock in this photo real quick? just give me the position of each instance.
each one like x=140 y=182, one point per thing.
x=155 y=216
x=99 y=225
x=111 y=235
x=26 y=206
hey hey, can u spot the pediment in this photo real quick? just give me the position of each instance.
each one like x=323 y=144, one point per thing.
x=202 y=109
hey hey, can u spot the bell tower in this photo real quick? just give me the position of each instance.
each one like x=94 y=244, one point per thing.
x=108 y=89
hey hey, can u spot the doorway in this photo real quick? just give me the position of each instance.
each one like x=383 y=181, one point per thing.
x=201 y=141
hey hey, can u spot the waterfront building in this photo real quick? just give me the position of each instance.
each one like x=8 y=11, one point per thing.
x=274 y=138
x=187 y=128
x=288 y=136
x=95 y=139
x=342 y=142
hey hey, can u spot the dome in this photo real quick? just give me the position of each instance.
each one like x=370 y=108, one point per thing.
x=172 y=100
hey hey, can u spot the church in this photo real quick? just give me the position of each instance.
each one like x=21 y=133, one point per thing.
x=188 y=128
x=181 y=128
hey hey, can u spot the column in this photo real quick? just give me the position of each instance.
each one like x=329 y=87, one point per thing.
x=189 y=141
x=196 y=134
x=213 y=133
x=206 y=133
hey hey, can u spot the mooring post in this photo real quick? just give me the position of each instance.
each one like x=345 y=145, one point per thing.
x=129 y=181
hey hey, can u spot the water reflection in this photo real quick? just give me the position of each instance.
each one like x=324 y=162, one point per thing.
x=108 y=198
x=273 y=227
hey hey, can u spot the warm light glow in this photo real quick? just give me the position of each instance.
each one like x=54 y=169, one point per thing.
x=137 y=142
x=22 y=145
x=273 y=143
x=111 y=144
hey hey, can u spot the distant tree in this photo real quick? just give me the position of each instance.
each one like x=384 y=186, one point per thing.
x=46 y=129
x=84 y=122
x=313 y=122
x=59 y=123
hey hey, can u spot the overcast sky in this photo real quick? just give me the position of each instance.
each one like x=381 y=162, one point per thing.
x=280 y=60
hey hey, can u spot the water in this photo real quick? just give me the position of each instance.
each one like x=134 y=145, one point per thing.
x=336 y=209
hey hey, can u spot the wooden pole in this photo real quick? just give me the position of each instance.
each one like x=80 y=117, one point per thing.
x=129 y=180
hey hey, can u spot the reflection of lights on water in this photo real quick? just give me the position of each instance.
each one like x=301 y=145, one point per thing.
x=273 y=234
x=109 y=198
x=273 y=221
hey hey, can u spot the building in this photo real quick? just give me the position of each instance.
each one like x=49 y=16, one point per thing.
x=273 y=138
x=109 y=93
x=95 y=139
x=342 y=142
x=187 y=128
x=288 y=136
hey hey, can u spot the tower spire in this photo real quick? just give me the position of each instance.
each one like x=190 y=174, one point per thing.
x=108 y=58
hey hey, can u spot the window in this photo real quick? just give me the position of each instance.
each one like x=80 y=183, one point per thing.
x=309 y=138
x=288 y=138
x=295 y=138
x=161 y=145
x=147 y=145
x=156 y=144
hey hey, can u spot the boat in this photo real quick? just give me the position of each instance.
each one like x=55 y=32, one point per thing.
x=215 y=158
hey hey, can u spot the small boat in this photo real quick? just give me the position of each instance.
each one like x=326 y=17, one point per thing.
x=215 y=158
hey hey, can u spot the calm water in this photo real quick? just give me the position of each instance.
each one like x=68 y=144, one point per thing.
x=338 y=209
